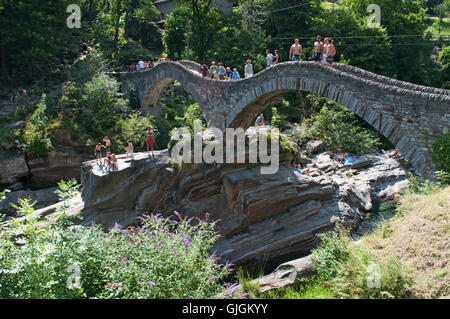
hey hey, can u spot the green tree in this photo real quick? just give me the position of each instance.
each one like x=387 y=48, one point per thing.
x=404 y=22
x=174 y=37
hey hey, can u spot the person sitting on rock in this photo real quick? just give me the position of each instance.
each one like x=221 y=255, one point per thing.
x=108 y=159
x=114 y=162
x=297 y=168
x=391 y=154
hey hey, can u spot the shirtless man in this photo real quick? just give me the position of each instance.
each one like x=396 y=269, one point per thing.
x=295 y=54
x=107 y=143
x=98 y=152
x=318 y=50
x=331 y=52
x=149 y=139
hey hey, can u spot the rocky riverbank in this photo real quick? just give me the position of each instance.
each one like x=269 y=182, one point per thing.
x=262 y=217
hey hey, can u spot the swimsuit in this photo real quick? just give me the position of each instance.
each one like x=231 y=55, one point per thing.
x=296 y=57
x=316 y=56
x=98 y=153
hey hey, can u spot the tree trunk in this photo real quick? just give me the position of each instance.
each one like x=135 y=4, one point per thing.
x=3 y=59
x=116 y=36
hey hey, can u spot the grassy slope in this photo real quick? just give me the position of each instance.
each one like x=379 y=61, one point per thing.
x=420 y=239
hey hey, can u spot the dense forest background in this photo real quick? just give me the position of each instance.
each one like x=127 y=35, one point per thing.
x=36 y=43
x=71 y=97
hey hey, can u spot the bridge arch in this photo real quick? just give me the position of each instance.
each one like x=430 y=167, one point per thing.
x=398 y=110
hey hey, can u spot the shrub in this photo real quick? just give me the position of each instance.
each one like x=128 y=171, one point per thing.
x=420 y=185
x=354 y=272
x=35 y=139
x=330 y=253
x=160 y=258
x=7 y=138
x=133 y=128
x=440 y=153
x=337 y=127
x=277 y=119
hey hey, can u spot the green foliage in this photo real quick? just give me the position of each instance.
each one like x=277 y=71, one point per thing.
x=332 y=251
x=192 y=114
x=404 y=17
x=90 y=65
x=7 y=138
x=277 y=119
x=35 y=140
x=440 y=153
x=337 y=127
x=99 y=106
x=420 y=185
x=174 y=37
x=443 y=177
x=133 y=128
x=355 y=272
x=160 y=258
x=345 y=23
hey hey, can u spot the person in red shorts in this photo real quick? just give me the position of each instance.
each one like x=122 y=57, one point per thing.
x=149 y=135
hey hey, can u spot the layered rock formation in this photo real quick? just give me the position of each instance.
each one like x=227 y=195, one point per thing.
x=261 y=216
x=56 y=166
x=12 y=168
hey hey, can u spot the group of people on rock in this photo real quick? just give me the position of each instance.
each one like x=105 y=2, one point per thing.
x=110 y=160
x=298 y=168
x=140 y=66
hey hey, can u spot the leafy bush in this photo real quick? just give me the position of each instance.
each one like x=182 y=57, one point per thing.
x=35 y=139
x=354 y=272
x=440 y=153
x=420 y=185
x=443 y=177
x=278 y=119
x=337 y=127
x=330 y=253
x=133 y=128
x=88 y=66
x=160 y=258
x=7 y=138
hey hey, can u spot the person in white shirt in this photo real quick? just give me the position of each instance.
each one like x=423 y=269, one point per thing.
x=248 y=69
x=141 y=65
x=269 y=58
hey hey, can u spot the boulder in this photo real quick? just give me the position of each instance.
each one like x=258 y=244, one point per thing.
x=285 y=275
x=313 y=147
x=56 y=166
x=18 y=124
x=12 y=168
x=43 y=197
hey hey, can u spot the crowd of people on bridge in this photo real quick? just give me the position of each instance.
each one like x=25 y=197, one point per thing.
x=323 y=52
x=140 y=66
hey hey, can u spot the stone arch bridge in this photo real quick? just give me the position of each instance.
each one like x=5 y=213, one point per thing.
x=400 y=111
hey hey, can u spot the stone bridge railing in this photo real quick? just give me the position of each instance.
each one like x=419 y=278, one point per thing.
x=401 y=111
